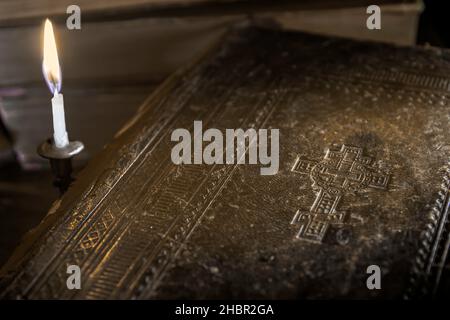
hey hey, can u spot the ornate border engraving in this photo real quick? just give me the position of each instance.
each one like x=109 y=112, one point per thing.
x=433 y=251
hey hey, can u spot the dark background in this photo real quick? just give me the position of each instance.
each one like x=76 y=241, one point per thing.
x=434 y=26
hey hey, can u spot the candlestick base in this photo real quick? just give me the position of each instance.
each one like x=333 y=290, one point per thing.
x=60 y=161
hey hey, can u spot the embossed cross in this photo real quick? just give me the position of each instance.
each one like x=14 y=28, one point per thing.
x=339 y=172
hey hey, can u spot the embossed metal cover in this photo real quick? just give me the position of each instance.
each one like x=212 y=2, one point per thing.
x=363 y=180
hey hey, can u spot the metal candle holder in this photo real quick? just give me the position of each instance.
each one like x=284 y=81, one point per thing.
x=60 y=161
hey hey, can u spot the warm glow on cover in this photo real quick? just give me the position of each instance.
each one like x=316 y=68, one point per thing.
x=50 y=63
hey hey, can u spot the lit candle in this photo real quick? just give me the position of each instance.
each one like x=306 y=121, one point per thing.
x=52 y=75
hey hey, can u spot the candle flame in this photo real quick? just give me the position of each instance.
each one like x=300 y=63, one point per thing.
x=50 y=63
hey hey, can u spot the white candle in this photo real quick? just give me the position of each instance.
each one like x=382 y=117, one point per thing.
x=52 y=75
x=59 y=123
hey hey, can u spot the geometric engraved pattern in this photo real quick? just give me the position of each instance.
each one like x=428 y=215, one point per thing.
x=339 y=172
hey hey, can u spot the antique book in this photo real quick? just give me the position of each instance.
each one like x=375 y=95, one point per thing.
x=362 y=183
